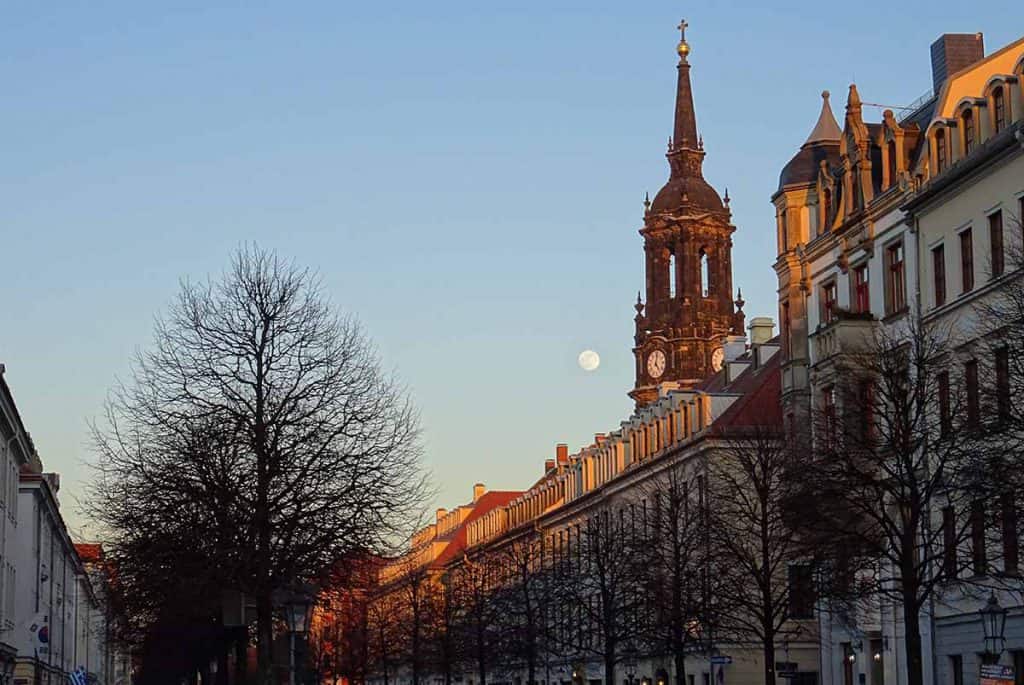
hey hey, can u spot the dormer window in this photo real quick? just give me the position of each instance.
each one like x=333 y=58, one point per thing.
x=941 y=151
x=999 y=108
x=968 y=122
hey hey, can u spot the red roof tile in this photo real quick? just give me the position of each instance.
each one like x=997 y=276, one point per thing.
x=487 y=502
x=89 y=552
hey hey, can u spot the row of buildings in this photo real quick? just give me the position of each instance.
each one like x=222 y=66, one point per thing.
x=54 y=617
x=884 y=224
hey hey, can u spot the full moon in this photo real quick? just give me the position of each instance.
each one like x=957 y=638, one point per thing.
x=589 y=360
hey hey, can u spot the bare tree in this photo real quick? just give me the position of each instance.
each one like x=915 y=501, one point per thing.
x=998 y=332
x=598 y=584
x=523 y=602
x=384 y=641
x=753 y=544
x=415 y=601
x=893 y=483
x=676 y=581
x=473 y=584
x=321 y=450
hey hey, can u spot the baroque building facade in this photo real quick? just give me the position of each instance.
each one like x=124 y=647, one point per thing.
x=885 y=227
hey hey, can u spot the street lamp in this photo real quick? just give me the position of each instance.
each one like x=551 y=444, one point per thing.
x=993 y=622
x=298 y=607
x=630 y=664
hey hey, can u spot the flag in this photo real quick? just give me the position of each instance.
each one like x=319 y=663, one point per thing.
x=78 y=677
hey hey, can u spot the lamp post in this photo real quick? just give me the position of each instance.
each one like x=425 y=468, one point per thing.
x=630 y=664
x=298 y=606
x=993 y=622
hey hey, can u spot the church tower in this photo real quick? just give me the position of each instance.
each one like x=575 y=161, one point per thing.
x=689 y=318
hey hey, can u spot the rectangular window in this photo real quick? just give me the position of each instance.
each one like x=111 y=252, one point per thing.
x=973 y=400
x=968 y=121
x=866 y=399
x=829 y=416
x=945 y=419
x=967 y=260
x=939 y=274
x=828 y=302
x=1011 y=549
x=999 y=100
x=949 y=551
x=940 y=150
x=801 y=591
x=783 y=232
x=979 y=562
x=956 y=669
x=861 y=293
x=995 y=233
x=1002 y=363
x=897 y=278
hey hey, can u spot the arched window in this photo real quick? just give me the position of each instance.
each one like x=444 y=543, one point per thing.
x=941 y=152
x=672 y=274
x=999 y=108
x=891 y=147
x=968 y=123
x=705 y=282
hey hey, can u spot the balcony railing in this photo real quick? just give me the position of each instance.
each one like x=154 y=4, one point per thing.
x=847 y=333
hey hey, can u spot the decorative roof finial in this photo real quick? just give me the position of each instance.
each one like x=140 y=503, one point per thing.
x=726 y=199
x=647 y=206
x=739 y=299
x=700 y=142
x=639 y=306
x=670 y=143
x=683 y=49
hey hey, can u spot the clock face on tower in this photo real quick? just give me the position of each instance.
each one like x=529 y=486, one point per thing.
x=656 y=364
x=716 y=359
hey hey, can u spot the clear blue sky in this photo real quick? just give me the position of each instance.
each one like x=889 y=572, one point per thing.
x=467 y=176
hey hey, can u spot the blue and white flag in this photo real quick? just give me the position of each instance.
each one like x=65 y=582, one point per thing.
x=78 y=677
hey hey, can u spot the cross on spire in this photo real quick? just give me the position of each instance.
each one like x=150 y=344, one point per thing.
x=682 y=29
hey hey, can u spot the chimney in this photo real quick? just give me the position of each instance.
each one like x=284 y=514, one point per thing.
x=562 y=453
x=761 y=329
x=953 y=52
x=599 y=438
x=478 y=491
x=549 y=465
x=441 y=513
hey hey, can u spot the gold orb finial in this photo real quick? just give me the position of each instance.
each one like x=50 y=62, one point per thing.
x=683 y=49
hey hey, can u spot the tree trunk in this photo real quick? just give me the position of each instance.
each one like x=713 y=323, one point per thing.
x=609 y=667
x=912 y=640
x=265 y=639
x=222 y=666
x=531 y=661
x=769 y=659
x=242 y=656
x=679 y=661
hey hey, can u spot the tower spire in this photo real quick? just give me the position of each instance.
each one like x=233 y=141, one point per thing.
x=686 y=186
x=686 y=120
